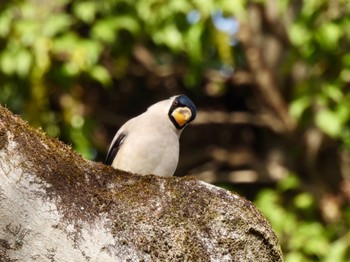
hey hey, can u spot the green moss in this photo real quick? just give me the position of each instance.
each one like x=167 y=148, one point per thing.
x=164 y=218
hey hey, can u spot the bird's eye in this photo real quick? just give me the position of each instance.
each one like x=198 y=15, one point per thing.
x=176 y=102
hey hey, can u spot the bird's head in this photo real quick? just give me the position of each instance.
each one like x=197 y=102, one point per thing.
x=182 y=111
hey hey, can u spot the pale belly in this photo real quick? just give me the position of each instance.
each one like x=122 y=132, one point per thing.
x=148 y=156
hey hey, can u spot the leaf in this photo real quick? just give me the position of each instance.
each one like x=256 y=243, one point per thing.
x=5 y=22
x=339 y=250
x=310 y=237
x=346 y=60
x=170 y=36
x=299 y=34
x=290 y=182
x=193 y=43
x=91 y=49
x=329 y=122
x=294 y=256
x=304 y=200
x=24 y=62
x=104 y=30
x=299 y=105
x=107 y=29
x=100 y=74
x=205 y=6
x=7 y=63
x=236 y=7
x=57 y=23
x=85 y=11
x=28 y=31
x=329 y=35
x=128 y=23
x=65 y=43
x=179 y=6
x=16 y=60
x=332 y=91
x=310 y=7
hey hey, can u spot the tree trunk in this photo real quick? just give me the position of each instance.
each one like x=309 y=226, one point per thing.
x=57 y=206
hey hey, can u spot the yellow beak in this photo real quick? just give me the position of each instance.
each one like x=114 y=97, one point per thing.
x=182 y=115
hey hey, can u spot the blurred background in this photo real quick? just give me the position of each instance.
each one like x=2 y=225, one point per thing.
x=270 y=78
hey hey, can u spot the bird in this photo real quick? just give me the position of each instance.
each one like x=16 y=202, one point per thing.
x=149 y=143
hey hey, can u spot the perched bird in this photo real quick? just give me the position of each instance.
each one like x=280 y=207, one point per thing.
x=149 y=143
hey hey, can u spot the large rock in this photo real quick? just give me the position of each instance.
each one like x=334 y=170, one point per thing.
x=57 y=206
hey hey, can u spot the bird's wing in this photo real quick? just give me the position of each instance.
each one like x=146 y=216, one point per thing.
x=114 y=148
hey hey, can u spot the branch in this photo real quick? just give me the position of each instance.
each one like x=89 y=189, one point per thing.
x=220 y=117
x=264 y=78
x=55 y=205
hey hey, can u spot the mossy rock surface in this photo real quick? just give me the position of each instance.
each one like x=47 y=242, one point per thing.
x=96 y=213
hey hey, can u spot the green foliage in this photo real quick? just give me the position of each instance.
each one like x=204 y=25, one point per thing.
x=293 y=215
x=62 y=43
x=55 y=50
x=321 y=37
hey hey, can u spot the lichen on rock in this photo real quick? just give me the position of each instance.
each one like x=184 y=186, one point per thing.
x=73 y=209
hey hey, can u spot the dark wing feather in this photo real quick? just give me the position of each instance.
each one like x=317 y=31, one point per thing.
x=113 y=150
